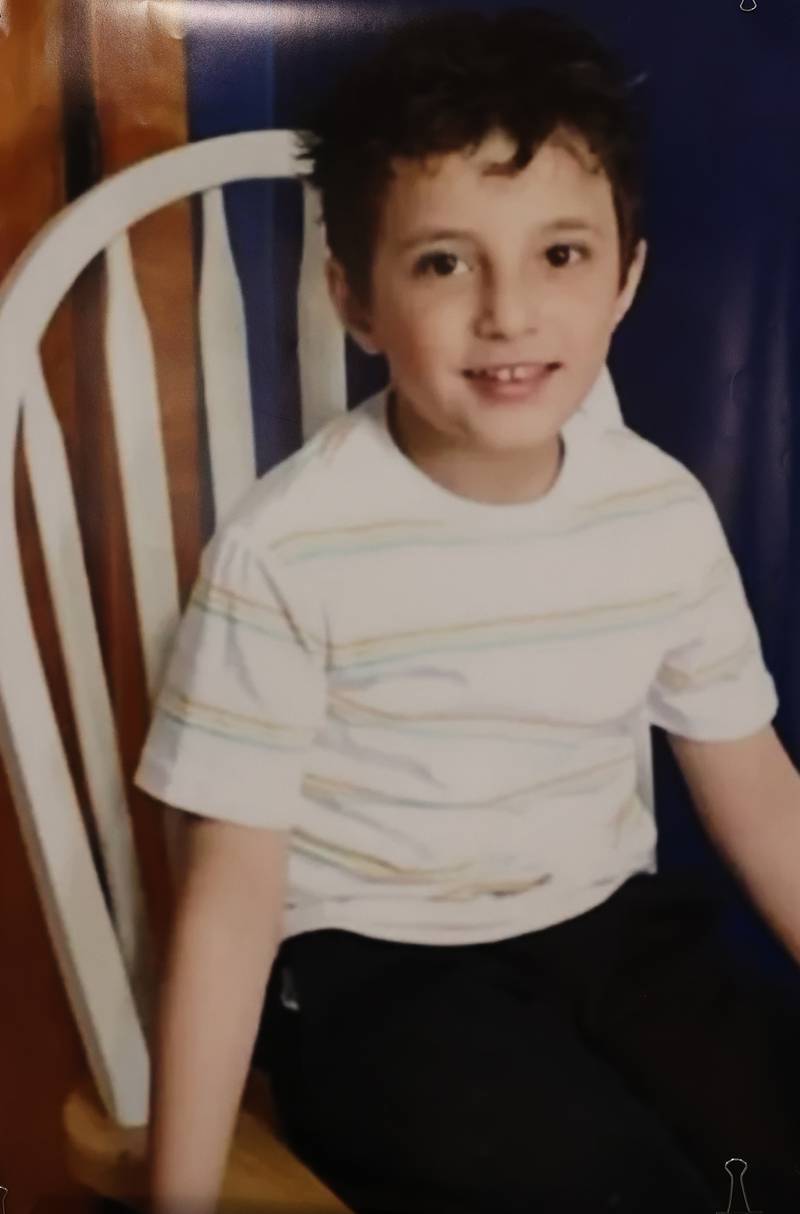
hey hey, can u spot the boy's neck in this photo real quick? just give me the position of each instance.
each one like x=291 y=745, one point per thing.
x=473 y=476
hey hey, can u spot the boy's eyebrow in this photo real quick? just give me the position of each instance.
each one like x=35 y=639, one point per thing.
x=426 y=236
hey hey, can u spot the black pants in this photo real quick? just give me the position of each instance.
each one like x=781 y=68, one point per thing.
x=611 y=1062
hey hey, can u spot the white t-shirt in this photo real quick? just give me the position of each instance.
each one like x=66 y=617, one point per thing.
x=438 y=696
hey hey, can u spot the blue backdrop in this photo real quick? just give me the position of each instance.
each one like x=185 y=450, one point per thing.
x=706 y=364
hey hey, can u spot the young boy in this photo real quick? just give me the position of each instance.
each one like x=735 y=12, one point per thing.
x=402 y=705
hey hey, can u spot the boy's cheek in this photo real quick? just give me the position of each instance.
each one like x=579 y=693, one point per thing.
x=430 y=347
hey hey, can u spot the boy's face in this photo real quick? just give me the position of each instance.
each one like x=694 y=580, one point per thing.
x=470 y=272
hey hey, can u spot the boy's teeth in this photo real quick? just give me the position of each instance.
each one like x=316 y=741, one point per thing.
x=507 y=374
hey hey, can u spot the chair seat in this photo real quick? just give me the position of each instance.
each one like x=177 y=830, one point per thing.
x=263 y=1175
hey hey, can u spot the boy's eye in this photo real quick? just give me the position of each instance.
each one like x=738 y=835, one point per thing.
x=562 y=248
x=442 y=265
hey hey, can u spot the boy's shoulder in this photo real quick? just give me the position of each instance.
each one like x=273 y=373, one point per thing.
x=311 y=487
x=629 y=462
x=638 y=482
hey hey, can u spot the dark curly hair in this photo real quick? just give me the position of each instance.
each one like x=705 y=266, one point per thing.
x=441 y=84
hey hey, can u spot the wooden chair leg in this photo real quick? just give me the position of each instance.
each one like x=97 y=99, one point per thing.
x=263 y=1176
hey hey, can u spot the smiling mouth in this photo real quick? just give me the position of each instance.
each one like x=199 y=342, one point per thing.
x=511 y=372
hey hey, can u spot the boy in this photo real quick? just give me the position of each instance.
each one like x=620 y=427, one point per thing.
x=401 y=704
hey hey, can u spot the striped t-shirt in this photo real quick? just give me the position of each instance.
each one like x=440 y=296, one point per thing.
x=438 y=697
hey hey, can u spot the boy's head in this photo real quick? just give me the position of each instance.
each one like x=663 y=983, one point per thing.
x=447 y=162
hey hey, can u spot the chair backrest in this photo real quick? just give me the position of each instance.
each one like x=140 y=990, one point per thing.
x=102 y=955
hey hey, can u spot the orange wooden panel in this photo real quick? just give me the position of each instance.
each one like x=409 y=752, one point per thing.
x=30 y=104
x=44 y=58
x=41 y=1057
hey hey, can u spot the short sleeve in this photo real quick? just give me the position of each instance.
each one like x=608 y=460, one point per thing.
x=243 y=693
x=712 y=684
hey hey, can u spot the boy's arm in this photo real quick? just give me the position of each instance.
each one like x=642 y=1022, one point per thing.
x=747 y=794
x=223 y=941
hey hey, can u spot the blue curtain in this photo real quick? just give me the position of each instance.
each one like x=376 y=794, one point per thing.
x=706 y=364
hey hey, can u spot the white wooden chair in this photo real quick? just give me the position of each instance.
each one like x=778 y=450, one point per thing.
x=103 y=956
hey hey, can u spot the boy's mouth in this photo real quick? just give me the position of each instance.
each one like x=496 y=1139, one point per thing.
x=508 y=373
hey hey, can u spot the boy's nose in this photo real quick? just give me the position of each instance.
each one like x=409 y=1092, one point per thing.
x=506 y=308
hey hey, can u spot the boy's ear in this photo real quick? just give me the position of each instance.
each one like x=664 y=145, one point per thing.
x=352 y=314
x=628 y=293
